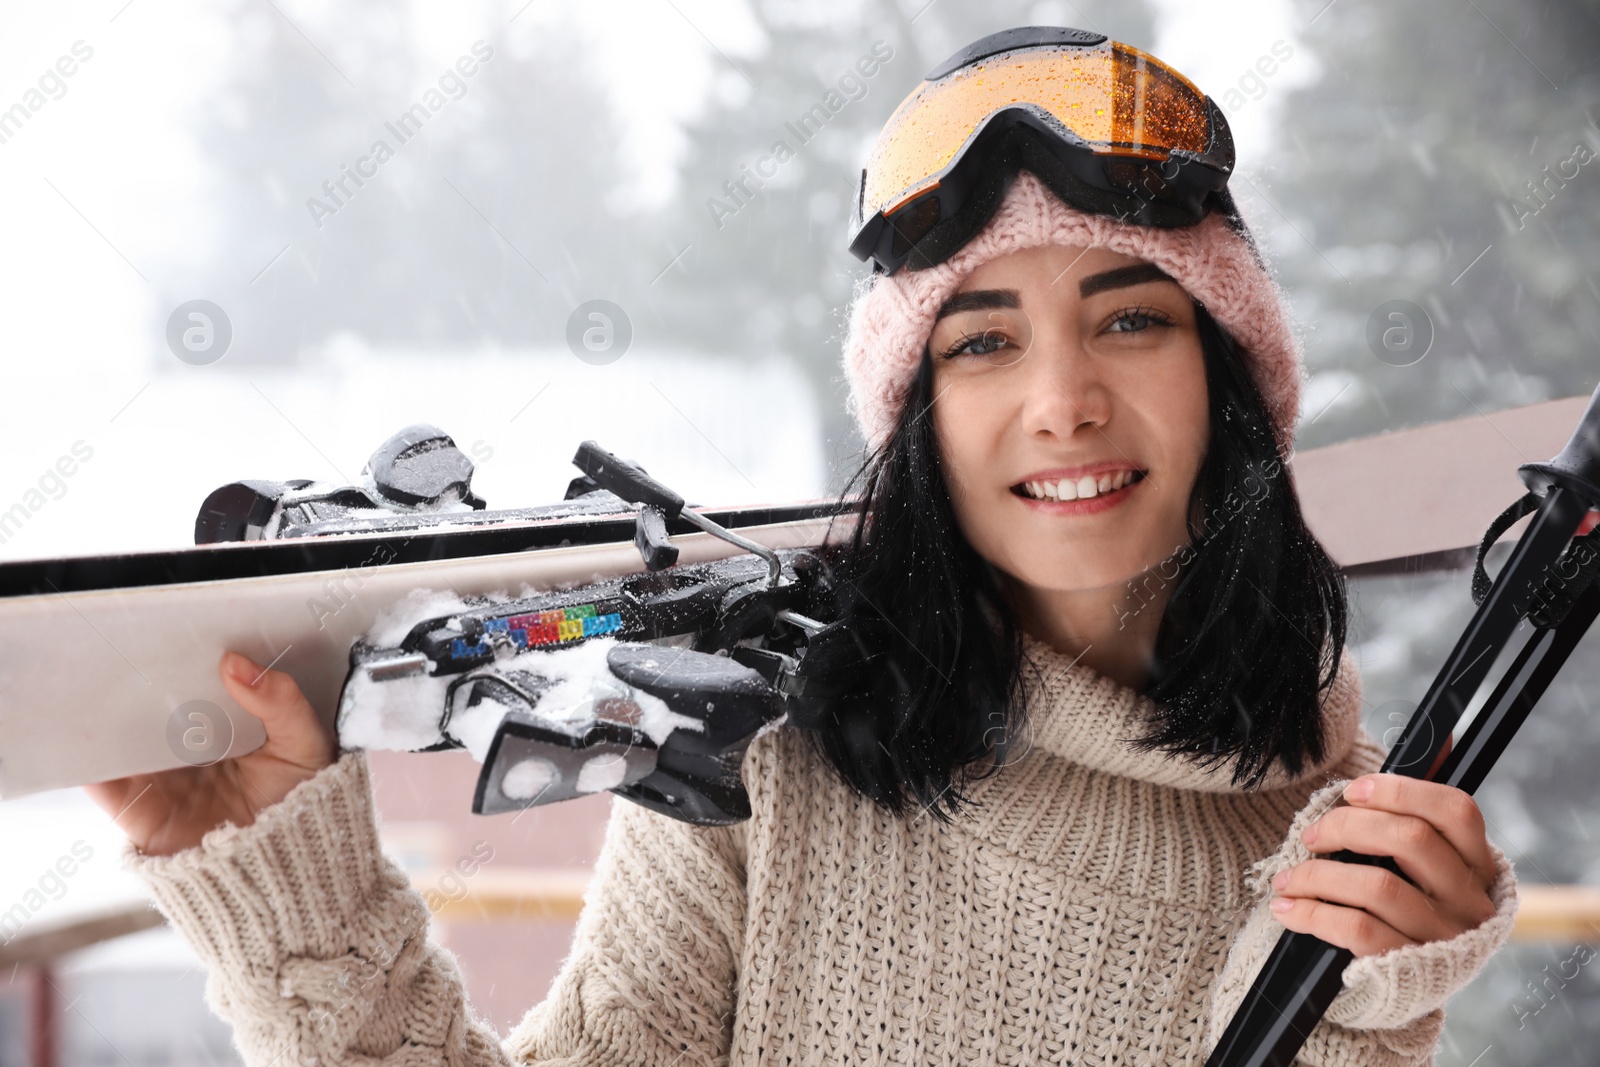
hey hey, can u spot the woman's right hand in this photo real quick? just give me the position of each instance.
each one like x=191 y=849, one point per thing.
x=169 y=811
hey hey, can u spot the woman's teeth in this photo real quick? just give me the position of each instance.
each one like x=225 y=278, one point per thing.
x=1081 y=488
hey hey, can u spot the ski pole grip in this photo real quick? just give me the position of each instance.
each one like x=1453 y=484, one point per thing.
x=1575 y=467
x=624 y=479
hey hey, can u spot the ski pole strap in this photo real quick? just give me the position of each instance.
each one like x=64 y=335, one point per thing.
x=1573 y=572
x=1502 y=523
x=1553 y=599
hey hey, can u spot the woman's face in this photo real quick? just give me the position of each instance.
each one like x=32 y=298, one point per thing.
x=1057 y=372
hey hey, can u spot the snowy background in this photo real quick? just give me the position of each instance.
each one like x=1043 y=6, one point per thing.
x=1431 y=151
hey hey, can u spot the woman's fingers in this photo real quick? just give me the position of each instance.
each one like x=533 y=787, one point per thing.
x=1421 y=852
x=174 y=809
x=294 y=733
x=1434 y=833
x=1451 y=812
x=129 y=803
x=145 y=806
x=1359 y=931
x=110 y=796
x=1402 y=912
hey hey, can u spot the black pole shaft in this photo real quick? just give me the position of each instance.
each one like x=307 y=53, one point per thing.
x=1303 y=974
x=1525 y=681
x=1549 y=532
x=1313 y=968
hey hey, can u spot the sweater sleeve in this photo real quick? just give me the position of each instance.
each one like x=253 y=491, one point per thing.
x=653 y=972
x=1390 y=1012
x=316 y=947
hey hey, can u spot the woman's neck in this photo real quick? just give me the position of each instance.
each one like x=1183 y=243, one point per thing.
x=1111 y=629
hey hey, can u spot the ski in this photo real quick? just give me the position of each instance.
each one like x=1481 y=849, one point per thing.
x=108 y=664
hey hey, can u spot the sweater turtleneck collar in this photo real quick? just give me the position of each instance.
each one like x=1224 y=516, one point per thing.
x=1087 y=718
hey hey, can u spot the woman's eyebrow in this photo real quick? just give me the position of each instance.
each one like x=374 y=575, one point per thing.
x=1137 y=274
x=979 y=300
x=1119 y=278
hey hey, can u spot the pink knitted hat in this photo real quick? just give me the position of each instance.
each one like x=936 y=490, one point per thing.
x=892 y=315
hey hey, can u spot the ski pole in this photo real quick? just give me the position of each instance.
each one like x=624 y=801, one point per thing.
x=1303 y=974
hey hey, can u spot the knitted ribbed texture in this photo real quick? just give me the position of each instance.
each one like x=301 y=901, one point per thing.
x=314 y=942
x=1098 y=906
x=892 y=315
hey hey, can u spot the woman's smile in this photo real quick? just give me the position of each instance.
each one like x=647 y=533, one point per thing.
x=1087 y=495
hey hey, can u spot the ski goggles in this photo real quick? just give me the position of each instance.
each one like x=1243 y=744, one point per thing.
x=1108 y=128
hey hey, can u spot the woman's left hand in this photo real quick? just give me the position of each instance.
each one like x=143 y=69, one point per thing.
x=1435 y=834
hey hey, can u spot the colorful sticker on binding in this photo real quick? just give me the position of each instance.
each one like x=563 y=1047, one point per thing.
x=553 y=627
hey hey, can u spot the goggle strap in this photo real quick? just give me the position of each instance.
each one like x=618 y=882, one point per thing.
x=983 y=198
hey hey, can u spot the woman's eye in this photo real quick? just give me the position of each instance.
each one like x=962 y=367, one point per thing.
x=986 y=344
x=982 y=344
x=1138 y=320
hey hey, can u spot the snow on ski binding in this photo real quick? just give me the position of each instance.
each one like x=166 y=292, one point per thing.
x=650 y=685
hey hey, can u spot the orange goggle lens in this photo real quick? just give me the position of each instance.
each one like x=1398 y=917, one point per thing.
x=1116 y=99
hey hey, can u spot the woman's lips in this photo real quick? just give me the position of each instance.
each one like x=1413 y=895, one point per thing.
x=1097 y=503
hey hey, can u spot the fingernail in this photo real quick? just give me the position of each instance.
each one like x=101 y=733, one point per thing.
x=1282 y=904
x=1309 y=834
x=1360 y=789
x=1281 y=880
x=239 y=668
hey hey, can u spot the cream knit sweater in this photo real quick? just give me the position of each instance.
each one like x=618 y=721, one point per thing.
x=1101 y=906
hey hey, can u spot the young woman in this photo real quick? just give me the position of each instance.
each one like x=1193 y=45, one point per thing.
x=1087 y=717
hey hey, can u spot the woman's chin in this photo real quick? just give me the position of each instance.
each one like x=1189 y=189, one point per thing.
x=1064 y=574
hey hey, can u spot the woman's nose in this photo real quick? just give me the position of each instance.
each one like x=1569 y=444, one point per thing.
x=1063 y=389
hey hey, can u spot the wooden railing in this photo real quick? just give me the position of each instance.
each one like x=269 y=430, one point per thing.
x=1546 y=913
